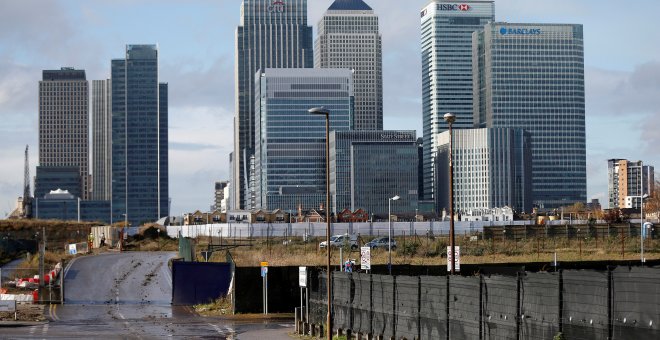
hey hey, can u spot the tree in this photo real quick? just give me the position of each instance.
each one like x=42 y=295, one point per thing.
x=652 y=203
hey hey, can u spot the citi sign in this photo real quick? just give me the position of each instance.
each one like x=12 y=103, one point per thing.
x=520 y=31
x=454 y=7
x=276 y=7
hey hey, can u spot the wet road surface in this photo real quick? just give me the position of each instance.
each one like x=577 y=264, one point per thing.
x=127 y=295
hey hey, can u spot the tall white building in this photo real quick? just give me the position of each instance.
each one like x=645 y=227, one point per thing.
x=101 y=140
x=492 y=169
x=446 y=29
x=348 y=37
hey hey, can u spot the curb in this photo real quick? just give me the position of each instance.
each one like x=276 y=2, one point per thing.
x=21 y=323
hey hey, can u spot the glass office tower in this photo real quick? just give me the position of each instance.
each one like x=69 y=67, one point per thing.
x=447 y=29
x=531 y=77
x=348 y=37
x=139 y=137
x=63 y=131
x=367 y=166
x=290 y=142
x=272 y=34
x=101 y=140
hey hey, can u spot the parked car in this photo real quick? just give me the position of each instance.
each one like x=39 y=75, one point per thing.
x=341 y=240
x=380 y=242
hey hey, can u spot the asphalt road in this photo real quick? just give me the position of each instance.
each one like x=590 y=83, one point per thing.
x=127 y=295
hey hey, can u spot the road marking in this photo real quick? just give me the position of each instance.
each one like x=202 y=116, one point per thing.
x=217 y=329
x=44 y=330
x=54 y=312
x=33 y=329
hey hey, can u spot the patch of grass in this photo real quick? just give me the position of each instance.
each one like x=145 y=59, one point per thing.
x=432 y=251
x=221 y=306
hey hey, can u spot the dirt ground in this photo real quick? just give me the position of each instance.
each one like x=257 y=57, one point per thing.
x=25 y=312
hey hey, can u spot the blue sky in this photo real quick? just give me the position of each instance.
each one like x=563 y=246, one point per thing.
x=196 y=42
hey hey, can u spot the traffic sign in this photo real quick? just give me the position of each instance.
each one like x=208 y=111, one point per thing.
x=457 y=261
x=264 y=271
x=302 y=276
x=365 y=258
x=264 y=264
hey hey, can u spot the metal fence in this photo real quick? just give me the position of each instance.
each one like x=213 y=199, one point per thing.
x=22 y=284
x=619 y=303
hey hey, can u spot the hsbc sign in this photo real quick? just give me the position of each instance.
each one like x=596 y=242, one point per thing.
x=454 y=7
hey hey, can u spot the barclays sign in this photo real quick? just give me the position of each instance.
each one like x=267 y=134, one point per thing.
x=519 y=31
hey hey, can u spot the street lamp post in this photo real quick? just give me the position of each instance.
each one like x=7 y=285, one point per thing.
x=450 y=118
x=323 y=111
x=389 y=233
x=642 y=197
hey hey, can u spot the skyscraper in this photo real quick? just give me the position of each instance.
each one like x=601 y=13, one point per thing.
x=492 y=169
x=63 y=129
x=531 y=77
x=289 y=156
x=139 y=137
x=271 y=34
x=447 y=28
x=348 y=37
x=101 y=140
x=368 y=167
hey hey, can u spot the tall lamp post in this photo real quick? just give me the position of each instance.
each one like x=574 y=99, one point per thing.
x=450 y=118
x=389 y=233
x=642 y=197
x=323 y=111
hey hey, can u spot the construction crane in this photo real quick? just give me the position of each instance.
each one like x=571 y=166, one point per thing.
x=27 y=193
x=24 y=207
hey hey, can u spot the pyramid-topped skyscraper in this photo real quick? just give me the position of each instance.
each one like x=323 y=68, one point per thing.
x=348 y=37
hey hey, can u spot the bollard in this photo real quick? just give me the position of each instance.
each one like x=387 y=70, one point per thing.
x=313 y=329
x=297 y=320
x=348 y=334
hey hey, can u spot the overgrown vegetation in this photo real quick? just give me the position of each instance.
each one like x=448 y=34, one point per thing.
x=432 y=250
x=221 y=306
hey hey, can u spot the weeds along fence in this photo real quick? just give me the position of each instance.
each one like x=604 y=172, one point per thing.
x=618 y=303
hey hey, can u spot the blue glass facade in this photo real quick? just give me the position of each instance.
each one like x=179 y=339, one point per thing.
x=139 y=137
x=446 y=30
x=381 y=170
x=290 y=142
x=531 y=77
x=270 y=35
x=66 y=209
x=342 y=166
x=57 y=177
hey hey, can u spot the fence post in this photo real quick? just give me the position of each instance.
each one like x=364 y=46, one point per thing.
x=419 y=307
x=561 y=301
x=518 y=304
x=394 y=307
x=447 y=307
x=371 y=305
x=610 y=326
x=481 y=306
